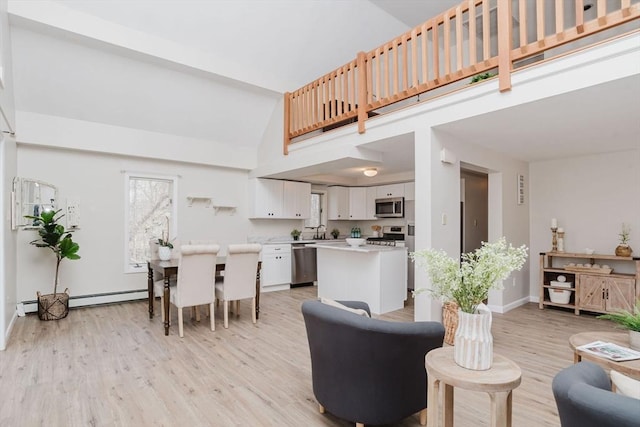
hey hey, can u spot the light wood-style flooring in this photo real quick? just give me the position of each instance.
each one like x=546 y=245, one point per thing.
x=112 y=366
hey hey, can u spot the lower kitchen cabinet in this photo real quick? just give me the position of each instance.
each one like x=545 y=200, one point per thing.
x=276 y=267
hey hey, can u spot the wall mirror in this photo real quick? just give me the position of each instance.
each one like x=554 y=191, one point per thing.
x=31 y=197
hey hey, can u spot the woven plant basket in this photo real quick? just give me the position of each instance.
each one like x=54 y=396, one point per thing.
x=53 y=307
x=450 y=321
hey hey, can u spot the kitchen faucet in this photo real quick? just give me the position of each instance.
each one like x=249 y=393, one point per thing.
x=317 y=236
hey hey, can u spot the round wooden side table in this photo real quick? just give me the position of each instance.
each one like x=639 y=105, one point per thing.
x=630 y=367
x=498 y=381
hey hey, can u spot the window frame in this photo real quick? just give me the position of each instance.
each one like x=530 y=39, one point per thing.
x=142 y=268
x=323 y=209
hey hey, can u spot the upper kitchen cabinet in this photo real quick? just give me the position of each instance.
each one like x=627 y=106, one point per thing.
x=390 y=190
x=338 y=203
x=296 y=199
x=362 y=203
x=266 y=198
x=409 y=191
x=276 y=199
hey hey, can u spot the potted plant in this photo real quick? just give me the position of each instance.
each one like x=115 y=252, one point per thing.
x=468 y=283
x=164 y=249
x=295 y=233
x=623 y=249
x=628 y=320
x=335 y=233
x=53 y=236
x=482 y=76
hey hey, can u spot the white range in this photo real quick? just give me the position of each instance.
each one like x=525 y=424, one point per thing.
x=376 y=275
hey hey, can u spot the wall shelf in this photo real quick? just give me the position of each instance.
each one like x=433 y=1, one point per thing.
x=231 y=209
x=201 y=199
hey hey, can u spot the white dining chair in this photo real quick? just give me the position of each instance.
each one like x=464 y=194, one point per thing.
x=239 y=280
x=196 y=278
x=158 y=279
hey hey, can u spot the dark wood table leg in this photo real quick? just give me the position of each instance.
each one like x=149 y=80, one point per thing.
x=258 y=292
x=166 y=304
x=150 y=289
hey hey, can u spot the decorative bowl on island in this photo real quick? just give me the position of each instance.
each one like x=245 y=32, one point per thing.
x=355 y=242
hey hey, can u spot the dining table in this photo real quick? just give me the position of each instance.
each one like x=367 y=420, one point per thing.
x=170 y=268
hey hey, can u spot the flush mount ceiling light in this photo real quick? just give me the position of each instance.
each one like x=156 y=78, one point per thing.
x=371 y=172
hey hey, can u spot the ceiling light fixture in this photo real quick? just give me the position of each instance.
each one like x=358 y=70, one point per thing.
x=371 y=172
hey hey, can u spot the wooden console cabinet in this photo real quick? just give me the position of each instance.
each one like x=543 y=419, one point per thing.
x=591 y=290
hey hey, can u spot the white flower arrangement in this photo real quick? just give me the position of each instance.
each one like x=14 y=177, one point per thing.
x=468 y=282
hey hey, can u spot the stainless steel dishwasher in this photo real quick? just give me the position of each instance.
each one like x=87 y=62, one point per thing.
x=303 y=264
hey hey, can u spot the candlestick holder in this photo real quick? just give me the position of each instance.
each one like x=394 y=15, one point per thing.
x=554 y=239
x=560 y=241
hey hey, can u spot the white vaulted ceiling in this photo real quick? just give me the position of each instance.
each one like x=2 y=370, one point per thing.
x=216 y=70
x=213 y=70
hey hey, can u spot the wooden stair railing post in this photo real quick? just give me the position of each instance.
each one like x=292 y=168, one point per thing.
x=362 y=91
x=287 y=121
x=504 y=45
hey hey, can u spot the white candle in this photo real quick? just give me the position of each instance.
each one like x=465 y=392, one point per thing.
x=554 y=223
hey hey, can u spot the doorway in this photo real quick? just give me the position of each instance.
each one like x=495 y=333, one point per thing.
x=474 y=210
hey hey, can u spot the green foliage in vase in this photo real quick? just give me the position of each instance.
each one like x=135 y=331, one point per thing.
x=469 y=281
x=625 y=234
x=53 y=236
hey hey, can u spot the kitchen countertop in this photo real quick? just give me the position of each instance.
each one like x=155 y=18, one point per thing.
x=291 y=241
x=343 y=246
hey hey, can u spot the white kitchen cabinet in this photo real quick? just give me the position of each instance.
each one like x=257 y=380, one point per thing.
x=338 y=203
x=296 y=199
x=390 y=190
x=277 y=199
x=266 y=198
x=357 y=202
x=276 y=267
x=372 y=195
x=409 y=191
x=362 y=203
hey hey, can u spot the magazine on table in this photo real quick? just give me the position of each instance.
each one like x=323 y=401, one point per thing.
x=610 y=351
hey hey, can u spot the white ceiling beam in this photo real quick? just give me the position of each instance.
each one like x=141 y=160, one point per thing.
x=48 y=15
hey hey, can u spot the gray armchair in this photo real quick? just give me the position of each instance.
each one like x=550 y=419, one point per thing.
x=584 y=399
x=368 y=371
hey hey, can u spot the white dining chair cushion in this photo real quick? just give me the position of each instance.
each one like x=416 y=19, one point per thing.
x=239 y=272
x=199 y=249
x=196 y=273
x=244 y=248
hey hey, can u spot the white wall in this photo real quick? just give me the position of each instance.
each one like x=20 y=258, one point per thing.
x=8 y=168
x=591 y=196
x=97 y=182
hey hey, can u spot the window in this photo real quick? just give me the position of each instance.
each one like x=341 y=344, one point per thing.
x=317 y=211
x=149 y=214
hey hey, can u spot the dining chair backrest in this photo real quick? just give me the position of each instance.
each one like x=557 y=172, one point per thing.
x=240 y=271
x=196 y=274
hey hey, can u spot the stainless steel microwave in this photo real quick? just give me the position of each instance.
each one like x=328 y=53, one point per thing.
x=392 y=207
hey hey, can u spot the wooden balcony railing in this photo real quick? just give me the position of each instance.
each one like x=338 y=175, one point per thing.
x=471 y=38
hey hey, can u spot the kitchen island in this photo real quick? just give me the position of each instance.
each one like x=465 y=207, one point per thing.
x=376 y=275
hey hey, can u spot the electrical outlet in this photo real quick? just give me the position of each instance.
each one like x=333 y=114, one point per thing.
x=73 y=214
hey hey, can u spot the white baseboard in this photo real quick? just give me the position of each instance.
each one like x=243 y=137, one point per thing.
x=275 y=288
x=96 y=299
x=3 y=345
x=505 y=308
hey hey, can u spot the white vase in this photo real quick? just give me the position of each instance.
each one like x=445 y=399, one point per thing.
x=164 y=253
x=473 y=341
x=634 y=340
